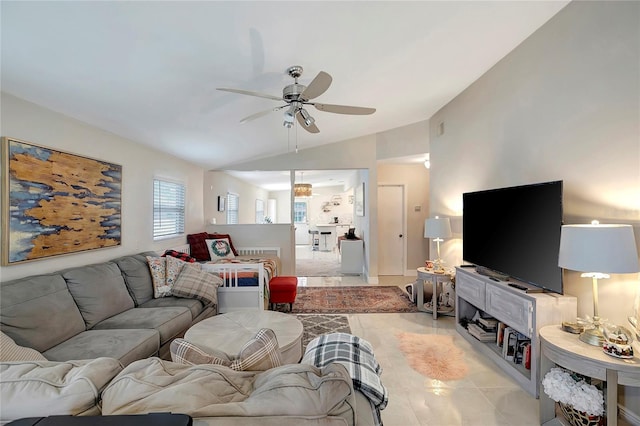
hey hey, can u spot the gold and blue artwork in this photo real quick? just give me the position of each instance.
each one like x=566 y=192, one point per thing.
x=57 y=203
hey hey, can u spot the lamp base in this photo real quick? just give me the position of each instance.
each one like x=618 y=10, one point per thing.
x=593 y=336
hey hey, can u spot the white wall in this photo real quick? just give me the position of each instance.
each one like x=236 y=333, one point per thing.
x=283 y=205
x=26 y=121
x=563 y=105
x=218 y=184
x=415 y=178
x=321 y=195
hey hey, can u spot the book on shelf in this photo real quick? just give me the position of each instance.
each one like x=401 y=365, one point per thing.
x=489 y=322
x=479 y=333
x=500 y=333
x=509 y=343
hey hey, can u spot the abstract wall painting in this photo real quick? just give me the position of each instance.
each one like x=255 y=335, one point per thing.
x=56 y=203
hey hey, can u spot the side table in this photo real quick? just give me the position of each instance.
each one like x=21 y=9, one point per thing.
x=425 y=275
x=558 y=347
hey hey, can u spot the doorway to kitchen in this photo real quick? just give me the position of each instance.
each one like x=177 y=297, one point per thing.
x=321 y=214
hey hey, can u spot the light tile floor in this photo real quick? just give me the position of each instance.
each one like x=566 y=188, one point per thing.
x=485 y=397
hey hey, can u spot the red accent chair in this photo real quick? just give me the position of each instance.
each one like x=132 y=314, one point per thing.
x=283 y=290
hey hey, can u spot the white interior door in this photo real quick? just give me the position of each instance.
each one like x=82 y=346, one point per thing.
x=391 y=245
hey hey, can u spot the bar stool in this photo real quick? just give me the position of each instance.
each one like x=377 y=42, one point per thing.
x=324 y=240
x=315 y=245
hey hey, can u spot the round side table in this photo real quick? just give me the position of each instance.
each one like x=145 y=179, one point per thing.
x=425 y=275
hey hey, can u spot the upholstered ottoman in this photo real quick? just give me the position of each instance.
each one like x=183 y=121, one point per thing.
x=283 y=290
x=229 y=332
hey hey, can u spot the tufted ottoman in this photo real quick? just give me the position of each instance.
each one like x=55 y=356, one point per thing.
x=229 y=332
x=283 y=290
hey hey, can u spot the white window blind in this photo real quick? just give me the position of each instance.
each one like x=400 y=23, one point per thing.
x=232 y=208
x=168 y=208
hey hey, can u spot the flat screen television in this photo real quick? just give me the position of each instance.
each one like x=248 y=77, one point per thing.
x=515 y=231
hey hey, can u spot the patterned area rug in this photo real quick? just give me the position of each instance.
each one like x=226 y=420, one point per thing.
x=317 y=325
x=351 y=300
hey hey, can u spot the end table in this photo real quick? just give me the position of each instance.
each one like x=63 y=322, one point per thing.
x=425 y=275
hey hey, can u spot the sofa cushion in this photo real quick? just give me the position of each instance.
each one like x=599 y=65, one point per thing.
x=39 y=312
x=124 y=345
x=153 y=385
x=169 y=322
x=10 y=351
x=137 y=277
x=98 y=290
x=46 y=388
x=195 y=283
x=194 y=305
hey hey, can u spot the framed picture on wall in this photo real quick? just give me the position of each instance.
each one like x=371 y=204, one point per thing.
x=359 y=201
x=56 y=203
x=221 y=203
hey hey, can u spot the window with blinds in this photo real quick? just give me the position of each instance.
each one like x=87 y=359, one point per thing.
x=233 y=200
x=168 y=209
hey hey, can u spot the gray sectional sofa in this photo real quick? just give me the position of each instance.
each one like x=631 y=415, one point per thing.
x=100 y=310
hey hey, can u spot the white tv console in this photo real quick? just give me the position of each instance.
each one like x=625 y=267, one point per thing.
x=525 y=312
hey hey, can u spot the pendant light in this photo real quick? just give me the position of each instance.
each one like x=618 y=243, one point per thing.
x=302 y=189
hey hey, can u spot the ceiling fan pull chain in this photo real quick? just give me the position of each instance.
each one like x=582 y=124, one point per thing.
x=296 y=137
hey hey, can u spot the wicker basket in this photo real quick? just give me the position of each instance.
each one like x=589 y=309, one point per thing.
x=580 y=418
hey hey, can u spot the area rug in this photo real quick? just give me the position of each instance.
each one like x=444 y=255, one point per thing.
x=433 y=355
x=352 y=300
x=317 y=325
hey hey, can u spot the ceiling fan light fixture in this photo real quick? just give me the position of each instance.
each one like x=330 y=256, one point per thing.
x=290 y=114
x=308 y=119
x=287 y=124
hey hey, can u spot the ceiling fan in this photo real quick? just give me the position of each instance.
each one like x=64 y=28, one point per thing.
x=296 y=96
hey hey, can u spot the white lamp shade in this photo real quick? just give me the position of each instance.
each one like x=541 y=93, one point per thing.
x=437 y=227
x=607 y=249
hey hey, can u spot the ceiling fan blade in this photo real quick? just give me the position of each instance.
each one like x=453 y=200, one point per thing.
x=260 y=114
x=311 y=129
x=318 y=86
x=343 y=109
x=247 y=92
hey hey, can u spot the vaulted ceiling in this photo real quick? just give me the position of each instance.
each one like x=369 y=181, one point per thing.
x=148 y=71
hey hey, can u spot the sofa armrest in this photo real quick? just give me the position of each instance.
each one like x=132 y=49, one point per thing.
x=45 y=388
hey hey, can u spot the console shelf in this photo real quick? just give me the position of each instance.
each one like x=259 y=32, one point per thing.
x=522 y=311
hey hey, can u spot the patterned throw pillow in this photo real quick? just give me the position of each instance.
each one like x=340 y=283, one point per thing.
x=219 y=248
x=179 y=255
x=259 y=354
x=157 y=266
x=11 y=351
x=195 y=283
x=228 y=237
x=184 y=352
x=174 y=267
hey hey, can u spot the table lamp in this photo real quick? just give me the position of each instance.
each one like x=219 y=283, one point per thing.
x=597 y=251
x=437 y=228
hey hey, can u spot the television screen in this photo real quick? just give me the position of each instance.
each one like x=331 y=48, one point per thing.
x=516 y=231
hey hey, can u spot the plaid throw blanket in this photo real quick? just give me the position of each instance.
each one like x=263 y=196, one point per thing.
x=357 y=356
